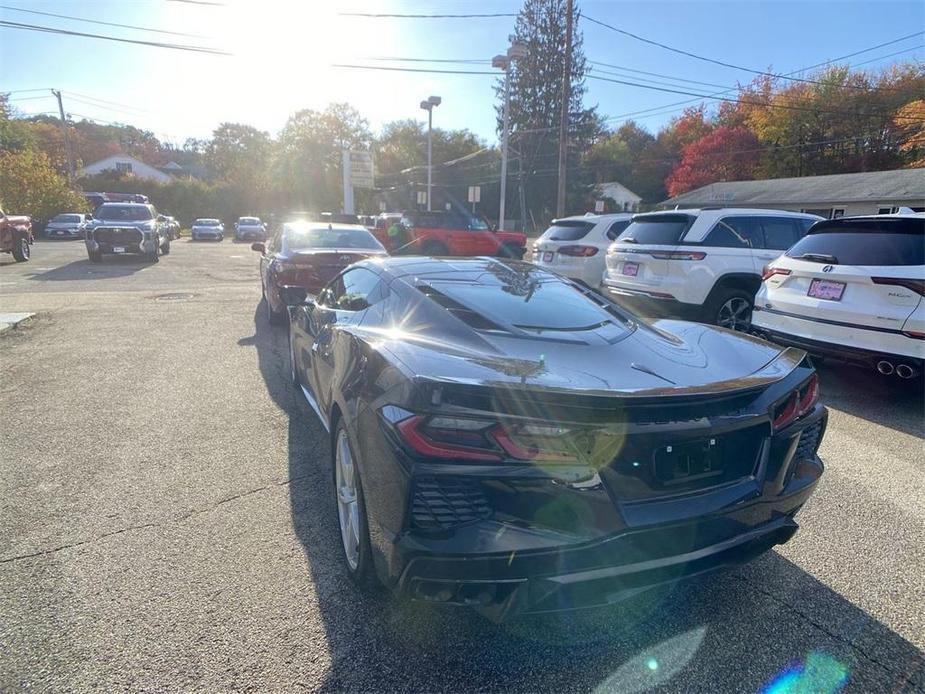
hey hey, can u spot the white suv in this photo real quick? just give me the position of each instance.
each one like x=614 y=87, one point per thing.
x=852 y=288
x=701 y=264
x=576 y=246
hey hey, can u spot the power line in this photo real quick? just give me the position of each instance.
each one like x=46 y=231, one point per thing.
x=155 y=44
x=732 y=65
x=459 y=61
x=107 y=102
x=376 y=15
x=412 y=69
x=747 y=102
x=86 y=102
x=23 y=91
x=656 y=74
x=31 y=98
x=96 y=21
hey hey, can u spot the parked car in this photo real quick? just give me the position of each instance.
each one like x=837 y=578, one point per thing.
x=172 y=226
x=207 y=229
x=121 y=228
x=70 y=225
x=250 y=229
x=577 y=246
x=448 y=233
x=852 y=289
x=16 y=236
x=308 y=255
x=703 y=264
x=508 y=439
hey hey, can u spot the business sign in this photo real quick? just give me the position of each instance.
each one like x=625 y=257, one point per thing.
x=361 y=170
x=598 y=205
x=422 y=197
x=475 y=194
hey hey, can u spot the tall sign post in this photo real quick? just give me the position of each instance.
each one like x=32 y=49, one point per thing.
x=358 y=173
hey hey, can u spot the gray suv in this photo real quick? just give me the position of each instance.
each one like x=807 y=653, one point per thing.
x=120 y=228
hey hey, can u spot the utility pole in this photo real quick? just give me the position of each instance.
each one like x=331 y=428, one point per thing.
x=67 y=139
x=563 y=115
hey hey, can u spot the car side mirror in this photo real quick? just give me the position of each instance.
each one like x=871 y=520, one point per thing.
x=293 y=295
x=259 y=247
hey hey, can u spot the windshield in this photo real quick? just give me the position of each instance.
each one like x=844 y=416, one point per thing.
x=124 y=213
x=567 y=230
x=298 y=239
x=657 y=230
x=885 y=241
x=206 y=223
x=249 y=221
x=533 y=305
x=67 y=219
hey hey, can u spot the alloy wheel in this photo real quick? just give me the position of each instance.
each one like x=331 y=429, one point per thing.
x=735 y=314
x=24 y=248
x=347 y=505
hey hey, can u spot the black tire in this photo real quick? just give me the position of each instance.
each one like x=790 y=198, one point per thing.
x=165 y=250
x=221 y=238
x=155 y=256
x=434 y=248
x=364 y=574
x=21 y=250
x=94 y=256
x=293 y=375
x=732 y=308
x=509 y=250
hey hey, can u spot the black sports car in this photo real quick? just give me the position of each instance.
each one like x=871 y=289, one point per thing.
x=508 y=439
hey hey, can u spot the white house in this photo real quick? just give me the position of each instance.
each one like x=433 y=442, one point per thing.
x=624 y=199
x=125 y=164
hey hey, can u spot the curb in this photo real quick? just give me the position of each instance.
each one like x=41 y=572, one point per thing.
x=12 y=320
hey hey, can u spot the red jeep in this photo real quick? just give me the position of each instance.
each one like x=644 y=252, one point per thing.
x=16 y=236
x=448 y=233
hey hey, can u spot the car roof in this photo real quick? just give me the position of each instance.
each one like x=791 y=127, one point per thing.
x=894 y=215
x=126 y=203
x=333 y=226
x=589 y=217
x=722 y=211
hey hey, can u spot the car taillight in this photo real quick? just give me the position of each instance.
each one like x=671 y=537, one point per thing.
x=769 y=272
x=678 y=255
x=798 y=403
x=579 y=251
x=917 y=286
x=462 y=438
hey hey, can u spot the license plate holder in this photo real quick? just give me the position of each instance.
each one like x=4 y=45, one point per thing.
x=118 y=249
x=683 y=463
x=547 y=256
x=631 y=269
x=827 y=290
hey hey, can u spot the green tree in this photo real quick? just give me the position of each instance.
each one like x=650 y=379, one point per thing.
x=536 y=98
x=30 y=185
x=239 y=153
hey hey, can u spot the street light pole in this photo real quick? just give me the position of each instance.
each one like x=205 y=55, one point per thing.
x=503 y=62
x=428 y=105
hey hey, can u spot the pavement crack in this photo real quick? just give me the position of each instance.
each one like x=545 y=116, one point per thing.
x=156 y=524
x=905 y=676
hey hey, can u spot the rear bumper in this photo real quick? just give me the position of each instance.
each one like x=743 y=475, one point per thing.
x=651 y=304
x=855 y=344
x=615 y=549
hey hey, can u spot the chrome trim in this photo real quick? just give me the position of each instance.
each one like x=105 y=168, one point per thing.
x=314 y=405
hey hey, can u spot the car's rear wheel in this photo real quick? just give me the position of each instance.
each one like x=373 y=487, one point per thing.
x=733 y=310
x=155 y=255
x=275 y=317
x=21 y=250
x=351 y=510
x=166 y=249
x=509 y=250
x=94 y=256
x=434 y=248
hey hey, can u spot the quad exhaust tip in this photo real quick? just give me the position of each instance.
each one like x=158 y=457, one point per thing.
x=885 y=367
x=906 y=371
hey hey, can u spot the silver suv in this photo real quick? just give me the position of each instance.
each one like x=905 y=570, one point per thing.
x=127 y=228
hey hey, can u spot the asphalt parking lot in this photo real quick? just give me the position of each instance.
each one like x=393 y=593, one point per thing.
x=167 y=523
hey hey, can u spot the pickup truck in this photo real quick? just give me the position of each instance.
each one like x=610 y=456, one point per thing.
x=441 y=233
x=16 y=236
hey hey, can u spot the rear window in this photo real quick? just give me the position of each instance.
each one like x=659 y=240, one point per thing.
x=331 y=238
x=67 y=218
x=545 y=305
x=567 y=230
x=864 y=242
x=661 y=230
x=206 y=223
x=248 y=220
x=124 y=213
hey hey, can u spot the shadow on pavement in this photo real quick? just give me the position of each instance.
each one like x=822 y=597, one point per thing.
x=768 y=622
x=110 y=266
x=885 y=400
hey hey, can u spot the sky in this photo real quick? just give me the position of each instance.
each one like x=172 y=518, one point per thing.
x=283 y=56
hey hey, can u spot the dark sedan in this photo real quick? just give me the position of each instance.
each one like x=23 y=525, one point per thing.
x=508 y=439
x=309 y=255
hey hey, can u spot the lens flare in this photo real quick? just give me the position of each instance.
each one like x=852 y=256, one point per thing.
x=820 y=674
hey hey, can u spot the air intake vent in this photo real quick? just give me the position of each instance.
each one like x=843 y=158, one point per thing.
x=444 y=503
x=809 y=442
